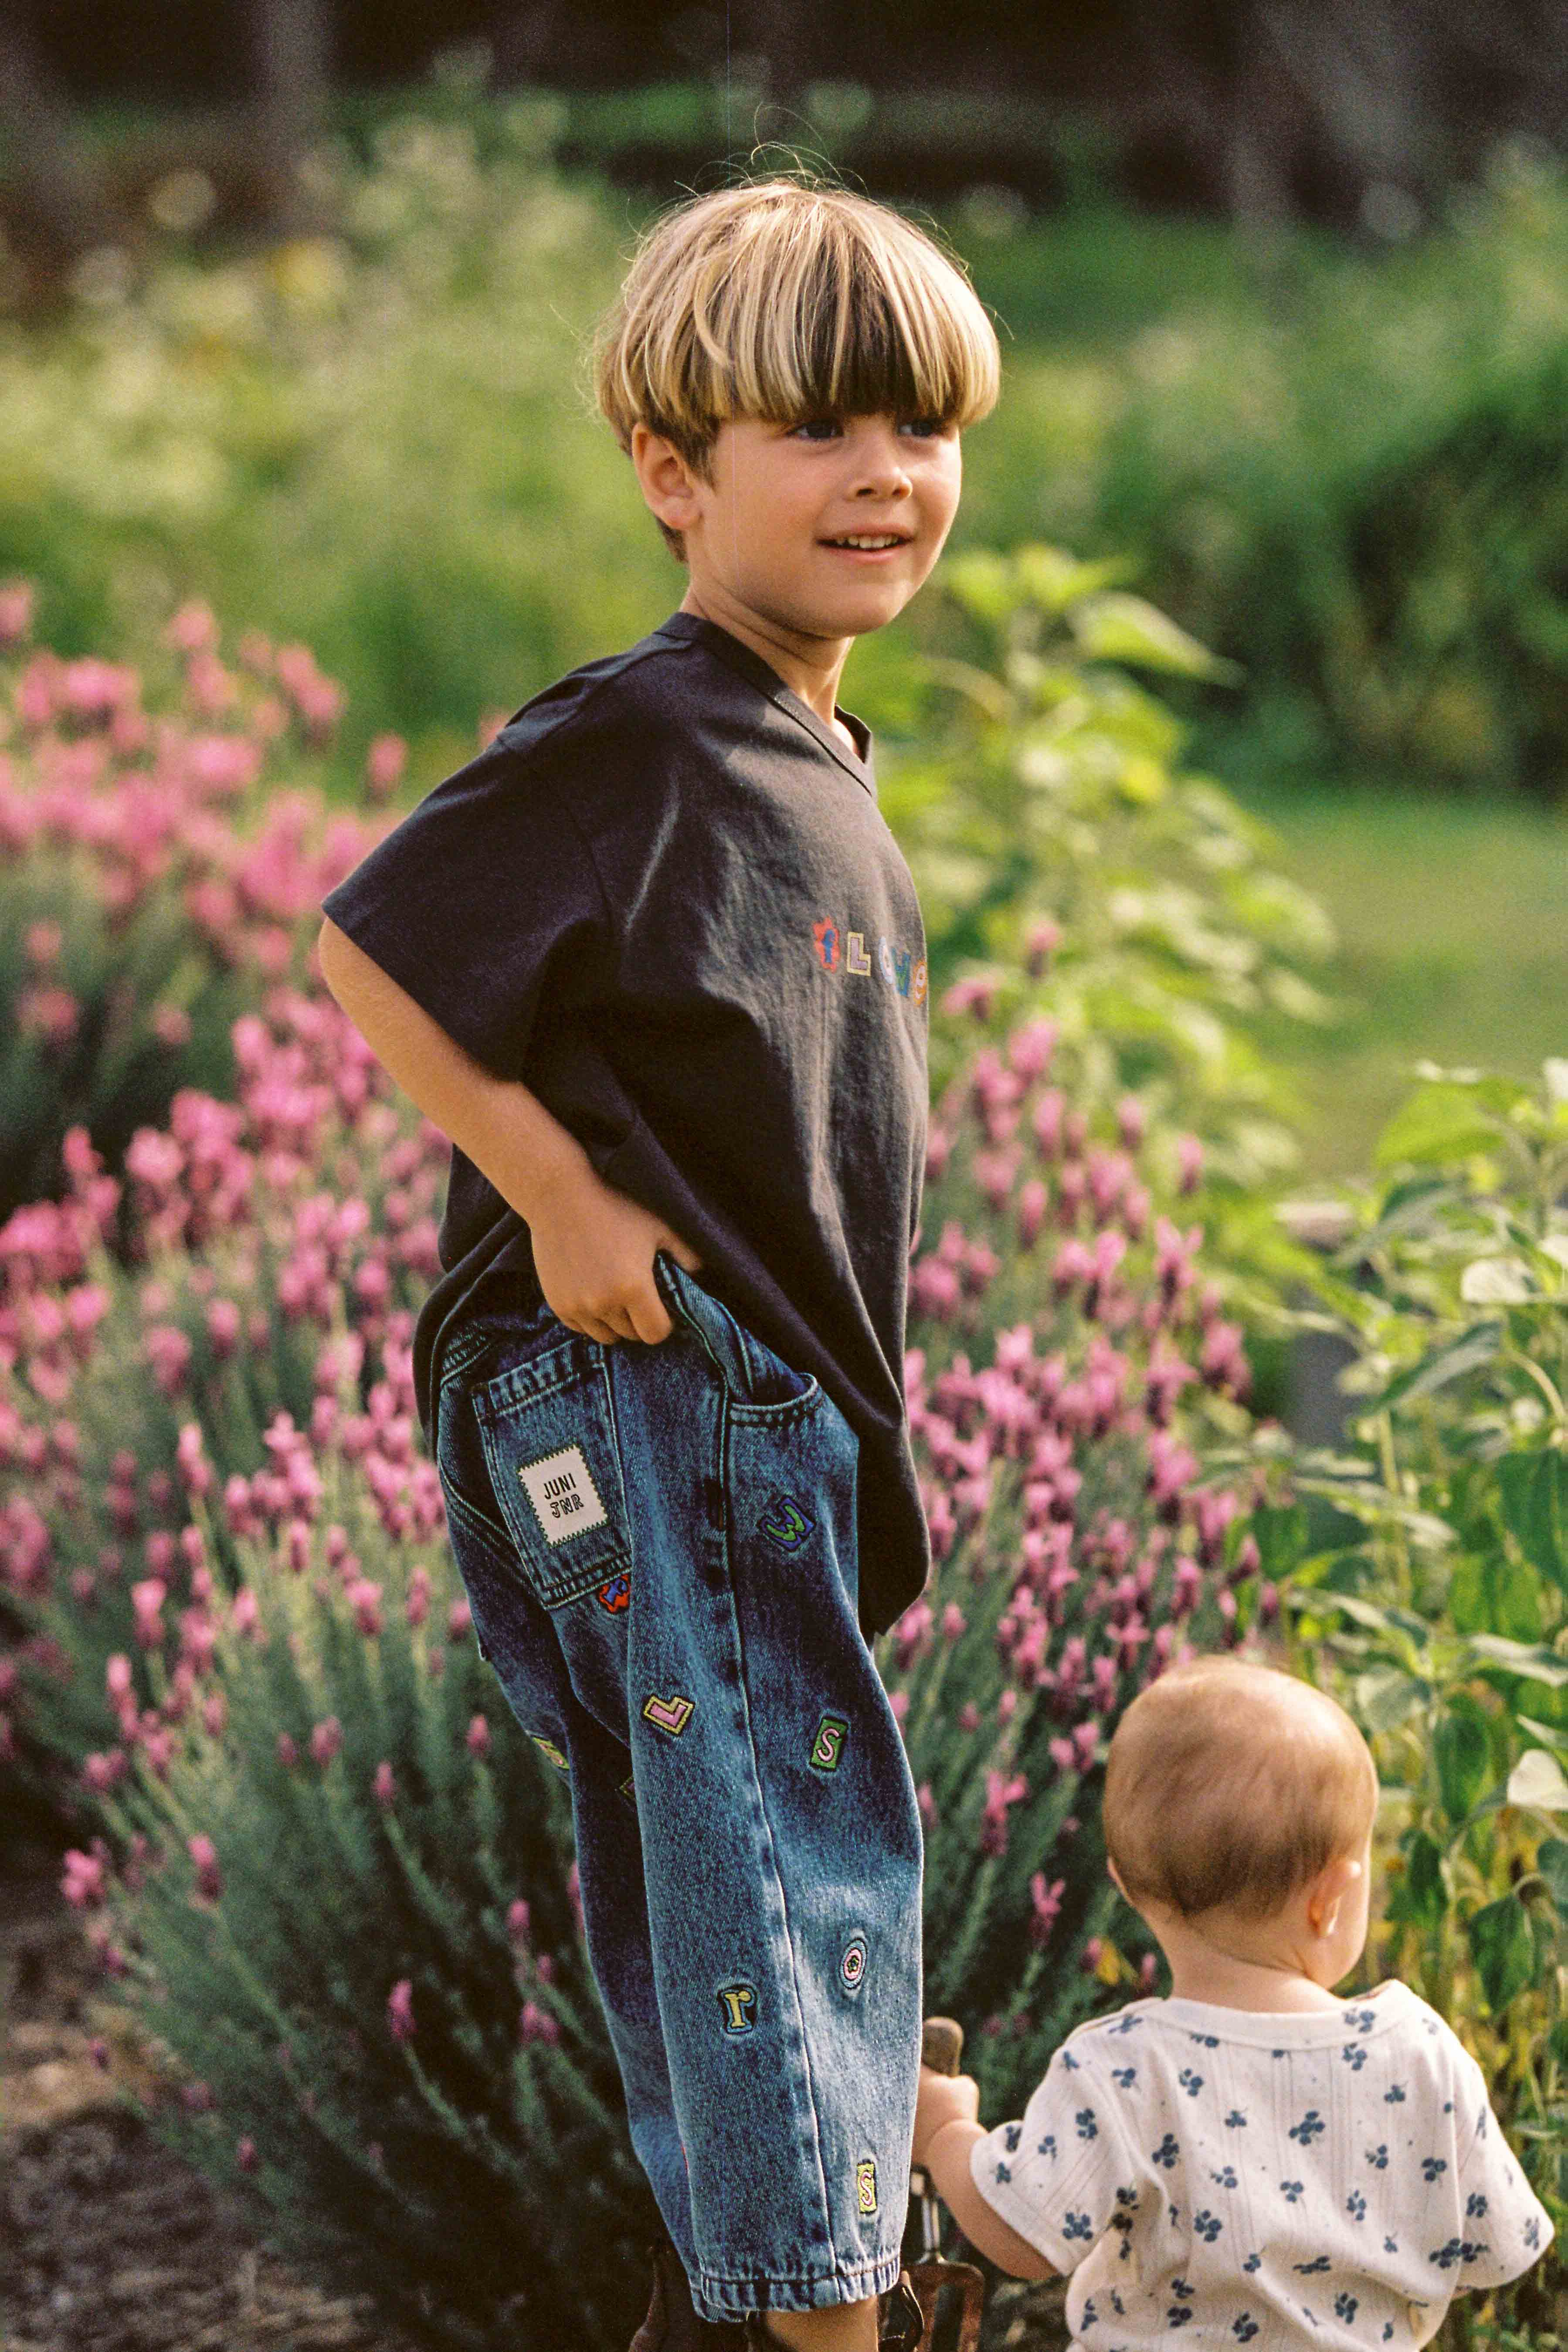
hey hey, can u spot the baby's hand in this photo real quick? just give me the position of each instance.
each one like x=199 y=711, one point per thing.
x=942 y=2099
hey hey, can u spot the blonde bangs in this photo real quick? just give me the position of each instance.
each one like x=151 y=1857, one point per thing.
x=785 y=301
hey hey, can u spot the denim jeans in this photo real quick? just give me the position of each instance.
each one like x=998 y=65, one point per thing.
x=658 y=1543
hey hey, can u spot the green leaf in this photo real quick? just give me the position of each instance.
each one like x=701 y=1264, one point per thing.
x=1494 y=1594
x=1437 y=1126
x=1451 y=1361
x=1552 y=1861
x=1503 y=1949
x=1422 y=1897
x=1463 y=1755
x=1384 y=1698
x=1534 y=1490
x=1532 y=1660
x=1121 y=628
x=1537 y=1781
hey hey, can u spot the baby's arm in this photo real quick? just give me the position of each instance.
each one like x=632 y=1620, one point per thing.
x=946 y=2131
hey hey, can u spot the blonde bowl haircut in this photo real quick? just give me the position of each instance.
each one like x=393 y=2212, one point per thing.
x=1232 y=1785
x=787 y=299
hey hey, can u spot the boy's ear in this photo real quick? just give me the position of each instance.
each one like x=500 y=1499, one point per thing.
x=665 y=478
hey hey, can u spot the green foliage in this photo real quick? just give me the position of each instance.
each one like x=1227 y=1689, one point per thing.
x=1346 y=472
x=1048 y=818
x=1430 y=1575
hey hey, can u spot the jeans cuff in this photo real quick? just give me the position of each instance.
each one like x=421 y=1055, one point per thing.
x=732 y=2297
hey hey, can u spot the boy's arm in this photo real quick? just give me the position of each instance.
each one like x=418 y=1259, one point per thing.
x=497 y=1123
x=947 y=2161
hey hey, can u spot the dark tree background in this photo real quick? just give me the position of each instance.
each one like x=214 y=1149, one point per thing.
x=1341 y=110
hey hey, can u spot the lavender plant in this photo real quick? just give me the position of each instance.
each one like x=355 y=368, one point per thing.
x=161 y=837
x=1078 y=1546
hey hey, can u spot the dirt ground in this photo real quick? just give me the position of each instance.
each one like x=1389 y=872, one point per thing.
x=108 y=2242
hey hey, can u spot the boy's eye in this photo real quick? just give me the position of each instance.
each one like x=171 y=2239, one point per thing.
x=924 y=424
x=819 y=427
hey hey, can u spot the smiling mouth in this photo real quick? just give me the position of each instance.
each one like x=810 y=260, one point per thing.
x=869 y=542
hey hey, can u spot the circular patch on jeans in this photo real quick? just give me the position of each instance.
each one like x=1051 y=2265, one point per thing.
x=852 y=1967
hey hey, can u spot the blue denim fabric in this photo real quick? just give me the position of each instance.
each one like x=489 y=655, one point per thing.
x=657 y=1544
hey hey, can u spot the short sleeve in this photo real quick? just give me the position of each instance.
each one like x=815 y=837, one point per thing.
x=484 y=898
x=1503 y=2227
x=1061 y=2175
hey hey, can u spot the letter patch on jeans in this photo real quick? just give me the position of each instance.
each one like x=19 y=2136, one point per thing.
x=737 y=2008
x=828 y=1745
x=564 y=1495
x=786 y=1522
x=866 y=2184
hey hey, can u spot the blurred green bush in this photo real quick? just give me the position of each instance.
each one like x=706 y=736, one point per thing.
x=1345 y=470
x=1425 y=1568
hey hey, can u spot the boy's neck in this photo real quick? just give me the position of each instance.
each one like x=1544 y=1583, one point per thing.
x=810 y=666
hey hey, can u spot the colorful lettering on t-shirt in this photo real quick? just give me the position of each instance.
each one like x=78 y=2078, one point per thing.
x=899 y=966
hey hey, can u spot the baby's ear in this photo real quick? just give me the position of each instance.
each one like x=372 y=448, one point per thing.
x=1329 y=1890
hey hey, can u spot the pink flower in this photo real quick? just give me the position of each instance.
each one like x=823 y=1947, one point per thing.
x=1048 y=1902
x=535 y=2024
x=1042 y=942
x=15 y=612
x=517 y=1920
x=364 y=1600
x=210 y=1878
x=384 y=764
x=326 y=1739
x=1190 y=1154
x=1000 y=1793
x=385 y=1785
x=479 y=1737
x=83 y=1882
x=194 y=629
x=400 y=2010
x=245 y=2154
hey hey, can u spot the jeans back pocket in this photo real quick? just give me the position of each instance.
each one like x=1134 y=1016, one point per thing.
x=548 y=1434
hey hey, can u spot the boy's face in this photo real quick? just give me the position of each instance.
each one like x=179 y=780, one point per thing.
x=765 y=537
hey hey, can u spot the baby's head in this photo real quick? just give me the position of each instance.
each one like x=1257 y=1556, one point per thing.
x=1238 y=1806
x=785 y=300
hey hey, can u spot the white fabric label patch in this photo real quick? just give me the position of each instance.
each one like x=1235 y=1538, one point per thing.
x=562 y=1493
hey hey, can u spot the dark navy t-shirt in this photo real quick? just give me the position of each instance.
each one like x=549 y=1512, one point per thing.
x=665 y=898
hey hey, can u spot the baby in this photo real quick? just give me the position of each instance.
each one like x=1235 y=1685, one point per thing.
x=1251 y=2158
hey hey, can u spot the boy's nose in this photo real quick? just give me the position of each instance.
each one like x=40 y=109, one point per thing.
x=880 y=469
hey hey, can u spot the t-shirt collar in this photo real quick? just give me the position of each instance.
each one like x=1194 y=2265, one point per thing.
x=695 y=628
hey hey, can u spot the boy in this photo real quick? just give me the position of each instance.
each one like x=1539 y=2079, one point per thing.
x=655 y=965
x=1251 y=2158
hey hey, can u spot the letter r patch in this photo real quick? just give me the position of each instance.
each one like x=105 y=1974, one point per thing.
x=564 y=1497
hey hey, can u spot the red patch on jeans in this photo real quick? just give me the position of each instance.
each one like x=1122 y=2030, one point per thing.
x=616 y=1595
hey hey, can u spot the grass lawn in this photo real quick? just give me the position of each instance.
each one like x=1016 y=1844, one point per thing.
x=1453 y=920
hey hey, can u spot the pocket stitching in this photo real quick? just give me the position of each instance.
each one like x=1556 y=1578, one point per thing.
x=587 y=1577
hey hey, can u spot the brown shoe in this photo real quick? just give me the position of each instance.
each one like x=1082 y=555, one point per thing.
x=672 y=2325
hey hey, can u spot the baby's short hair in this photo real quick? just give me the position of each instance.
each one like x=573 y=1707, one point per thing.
x=1234 y=1784
x=786 y=299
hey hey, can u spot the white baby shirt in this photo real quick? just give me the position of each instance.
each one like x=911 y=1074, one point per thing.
x=1331 y=2179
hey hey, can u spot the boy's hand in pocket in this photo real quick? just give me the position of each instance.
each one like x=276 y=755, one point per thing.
x=594 y=1252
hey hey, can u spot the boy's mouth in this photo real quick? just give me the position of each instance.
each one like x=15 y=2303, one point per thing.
x=869 y=542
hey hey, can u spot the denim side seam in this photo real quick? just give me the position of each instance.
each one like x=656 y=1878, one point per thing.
x=804 y=2039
